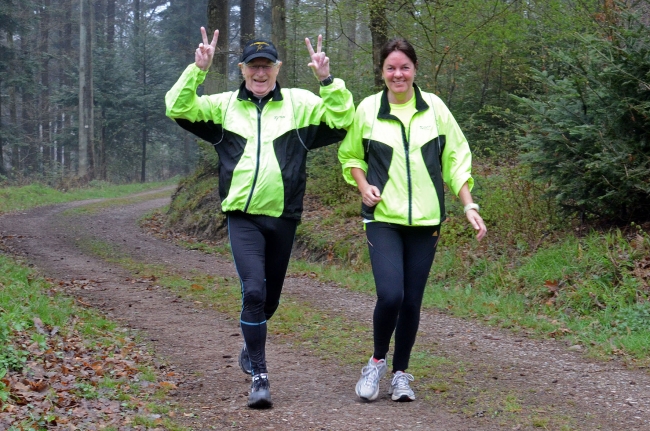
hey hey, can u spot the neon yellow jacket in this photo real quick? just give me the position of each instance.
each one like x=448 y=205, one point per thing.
x=262 y=155
x=407 y=169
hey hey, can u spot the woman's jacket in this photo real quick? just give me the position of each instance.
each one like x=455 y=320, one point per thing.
x=408 y=170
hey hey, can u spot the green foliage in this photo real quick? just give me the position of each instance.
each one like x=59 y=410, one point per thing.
x=592 y=290
x=518 y=216
x=325 y=177
x=20 y=303
x=635 y=318
x=196 y=208
x=587 y=128
x=490 y=134
x=11 y=358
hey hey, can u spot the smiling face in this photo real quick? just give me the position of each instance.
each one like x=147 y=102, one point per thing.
x=260 y=75
x=398 y=72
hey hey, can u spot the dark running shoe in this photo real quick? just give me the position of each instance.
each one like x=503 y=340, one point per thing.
x=245 y=361
x=260 y=395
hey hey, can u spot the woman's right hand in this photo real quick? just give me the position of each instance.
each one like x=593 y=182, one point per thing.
x=370 y=195
x=204 y=53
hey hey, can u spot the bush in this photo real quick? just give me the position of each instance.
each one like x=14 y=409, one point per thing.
x=587 y=128
x=195 y=208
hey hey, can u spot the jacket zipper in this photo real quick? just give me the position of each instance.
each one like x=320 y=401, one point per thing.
x=408 y=173
x=257 y=161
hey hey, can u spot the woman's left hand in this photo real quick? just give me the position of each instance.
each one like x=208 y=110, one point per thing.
x=477 y=223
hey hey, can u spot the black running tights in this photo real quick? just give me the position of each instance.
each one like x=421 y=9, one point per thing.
x=261 y=248
x=401 y=258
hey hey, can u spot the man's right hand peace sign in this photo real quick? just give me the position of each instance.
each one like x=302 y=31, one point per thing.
x=204 y=53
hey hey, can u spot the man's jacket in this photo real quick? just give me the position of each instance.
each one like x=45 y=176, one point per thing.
x=408 y=170
x=262 y=153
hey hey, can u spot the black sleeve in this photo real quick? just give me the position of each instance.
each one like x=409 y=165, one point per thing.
x=206 y=130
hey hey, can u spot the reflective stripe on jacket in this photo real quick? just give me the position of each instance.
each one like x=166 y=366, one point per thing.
x=407 y=169
x=262 y=154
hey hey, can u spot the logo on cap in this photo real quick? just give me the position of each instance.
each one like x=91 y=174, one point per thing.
x=259 y=45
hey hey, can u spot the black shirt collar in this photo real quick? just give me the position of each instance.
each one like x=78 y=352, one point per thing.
x=384 y=108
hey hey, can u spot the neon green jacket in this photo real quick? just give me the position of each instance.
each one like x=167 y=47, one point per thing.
x=407 y=169
x=262 y=155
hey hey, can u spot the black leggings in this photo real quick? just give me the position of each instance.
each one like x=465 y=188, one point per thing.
x=261 y=248
x=401 y=258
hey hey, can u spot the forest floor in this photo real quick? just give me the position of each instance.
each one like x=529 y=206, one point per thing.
x=542 y=384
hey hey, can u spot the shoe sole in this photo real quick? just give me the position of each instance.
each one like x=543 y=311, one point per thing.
x=402 y=399
x=263 y=402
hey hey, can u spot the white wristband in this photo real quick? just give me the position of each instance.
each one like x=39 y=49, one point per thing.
x=471 y=206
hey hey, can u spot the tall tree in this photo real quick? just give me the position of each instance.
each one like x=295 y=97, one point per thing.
x=279 y=33
x=142 y=71
x=66 y=118
x=2 y=159
x=110 y=58
x=247 y=21
x=44 y=95
x=86 y=111
x=218 y=14
x=379 y=31
x=7 y=26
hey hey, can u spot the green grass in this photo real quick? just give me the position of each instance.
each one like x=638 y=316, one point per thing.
x=96 y=207
x=25 y=197
x=30 y=305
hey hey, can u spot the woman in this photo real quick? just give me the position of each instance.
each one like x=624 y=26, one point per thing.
x=401 y=147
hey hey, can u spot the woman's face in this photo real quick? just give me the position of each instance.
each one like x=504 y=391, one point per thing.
x=398 y=73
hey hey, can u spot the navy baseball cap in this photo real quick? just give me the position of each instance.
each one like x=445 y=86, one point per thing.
x=257 y=48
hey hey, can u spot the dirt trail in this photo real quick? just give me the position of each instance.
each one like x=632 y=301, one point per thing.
x=552 y=384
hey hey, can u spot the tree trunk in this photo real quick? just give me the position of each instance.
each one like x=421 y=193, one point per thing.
x=86 y=126
x=247 y=22
x=378 y=30
x=66 y=120
x=143 y=165
x=13 y=112
x=218 y=13
x=44 y=111
x=110 y=53
x=351 y=32
x=2 y=159
x=279 y=34
x=110 y=24
x=294 y=30
x=143 y=81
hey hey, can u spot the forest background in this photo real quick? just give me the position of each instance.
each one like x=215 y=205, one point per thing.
x=552 y=95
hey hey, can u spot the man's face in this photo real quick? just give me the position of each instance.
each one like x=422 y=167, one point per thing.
x=260 y=75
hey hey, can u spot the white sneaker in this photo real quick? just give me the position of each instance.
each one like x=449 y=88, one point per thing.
x=368 y=385
x=399 y=387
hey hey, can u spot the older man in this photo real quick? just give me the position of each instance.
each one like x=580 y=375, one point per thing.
x=262 y=133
